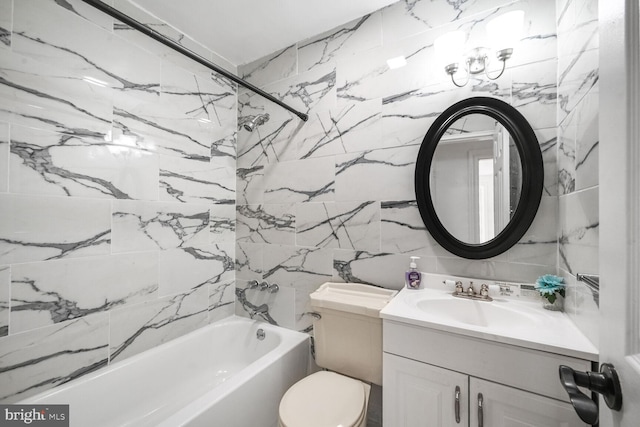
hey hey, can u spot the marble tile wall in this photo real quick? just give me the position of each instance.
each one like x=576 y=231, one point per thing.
x=117 y=192
x=578 y=156
x=333 y=198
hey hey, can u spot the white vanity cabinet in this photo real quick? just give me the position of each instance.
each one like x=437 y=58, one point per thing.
x=424 y=370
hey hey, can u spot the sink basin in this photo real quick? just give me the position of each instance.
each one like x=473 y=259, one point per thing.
x=473 y=312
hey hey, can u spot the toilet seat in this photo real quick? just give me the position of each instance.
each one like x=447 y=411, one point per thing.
x=324 y=399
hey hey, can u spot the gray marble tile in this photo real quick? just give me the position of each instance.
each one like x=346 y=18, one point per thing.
x=88 y=12
x=579 y=229
x=4 y=157
x=5 y=296
x=141 y=226
x=26 y=234
x=314 y=181
x=221 y=300
x=356 y=36
x=548 y=140
x=187 y=268
x=270 y=223
x=567 y=134
x=51 y=292
x=41 y=359
x=491 y=269
x=59 y=164
x=385 y=174
x=344 y=225
x=272 y=68
x=140 y=327
x=6 y=23
x=582 y=307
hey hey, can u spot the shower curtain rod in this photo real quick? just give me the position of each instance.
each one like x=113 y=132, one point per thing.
x=115 y=13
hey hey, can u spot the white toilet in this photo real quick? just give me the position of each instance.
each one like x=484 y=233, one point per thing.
x=348 y=342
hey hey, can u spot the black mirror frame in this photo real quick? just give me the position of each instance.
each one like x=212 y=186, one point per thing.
x=532 y=177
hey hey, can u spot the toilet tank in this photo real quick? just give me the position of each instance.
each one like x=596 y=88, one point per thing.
x=348 y=336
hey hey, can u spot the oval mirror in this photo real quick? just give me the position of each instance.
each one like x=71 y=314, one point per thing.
x=479 y=178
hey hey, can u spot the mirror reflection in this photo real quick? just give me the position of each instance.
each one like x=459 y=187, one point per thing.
x=476 y=178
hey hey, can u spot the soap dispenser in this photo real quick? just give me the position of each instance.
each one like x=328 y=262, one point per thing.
x=412 y=277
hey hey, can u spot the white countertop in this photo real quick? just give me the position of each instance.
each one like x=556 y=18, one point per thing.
x=518 y=322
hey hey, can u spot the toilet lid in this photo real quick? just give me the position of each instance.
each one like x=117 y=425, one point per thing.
x=323 y=399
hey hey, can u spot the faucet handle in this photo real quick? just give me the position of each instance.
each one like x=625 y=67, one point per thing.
x=273 y=288
x=470 y=290
x=263 y=286
x=252 y=284
x=484 y=290
x=459 y=288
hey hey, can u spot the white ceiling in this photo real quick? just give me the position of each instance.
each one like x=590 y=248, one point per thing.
x=242 y=31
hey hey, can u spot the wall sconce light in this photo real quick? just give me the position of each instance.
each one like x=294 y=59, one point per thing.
x=503 y=33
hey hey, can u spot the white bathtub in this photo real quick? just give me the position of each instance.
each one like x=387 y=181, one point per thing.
x=220 y=375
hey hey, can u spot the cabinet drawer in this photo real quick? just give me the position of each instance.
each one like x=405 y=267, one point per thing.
x=532 y=370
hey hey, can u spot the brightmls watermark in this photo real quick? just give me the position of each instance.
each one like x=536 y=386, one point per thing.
x=34 y=415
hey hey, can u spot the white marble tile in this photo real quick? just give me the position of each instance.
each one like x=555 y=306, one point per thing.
x=272 y=223
x=344 y=225
x=249 y=263
x=42 y=228
x=140 y=327
x=88 y=12
x=579 y=230
x=538 y=245
x=222 y=299
x=587 y=140
x=585 y=311
x=53 y=98
x=314 y=181
x=271 y=68
x=196 y=98
x=50 y=34
x=187 y=268
x=50 y=292
x=271 y=142
x=408 y=17
x=567 y=134
x=6 y=23
x=250 y=185
x=141 y=226
x=223 y=223
x=491 y=269
x=4 y=157
x=5 y=296
x=196 y=181
x=41 y=359
x=281 y=304
x=379 y=269
x=305 y=269
x=304 y=91
x=385 y=174
x=548 y=140
x=534 y=93
x=159 y=49
x=145 y=121
x=577 y=76
x=56 y=164
x=403 y=230
x=349 y=129
x=356 y=36
x=577 y=26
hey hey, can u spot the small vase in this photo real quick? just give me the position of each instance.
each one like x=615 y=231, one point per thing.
x=557 y=305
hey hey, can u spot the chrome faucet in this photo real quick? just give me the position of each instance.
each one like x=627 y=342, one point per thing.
x=262 y=309
x=470 y=293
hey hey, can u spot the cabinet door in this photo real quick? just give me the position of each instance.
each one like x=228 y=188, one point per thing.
x=504 y=406
x=416 y=394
